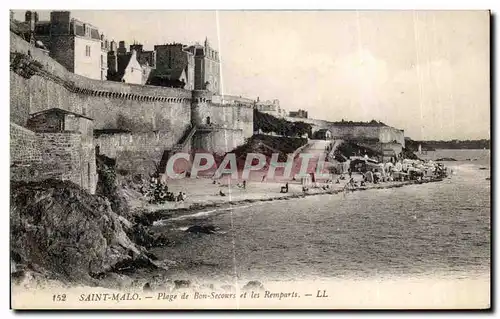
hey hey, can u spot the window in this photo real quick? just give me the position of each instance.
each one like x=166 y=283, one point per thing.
x=88 y=176
x=87 y=50
x=102 y=61
x=87 y=30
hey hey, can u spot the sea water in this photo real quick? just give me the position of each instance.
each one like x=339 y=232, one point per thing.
x=438 y=229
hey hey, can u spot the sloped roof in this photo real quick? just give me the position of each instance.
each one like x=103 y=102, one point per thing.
x=176 y=74
x=123 y=61
x=172 y=74
x=323 y=130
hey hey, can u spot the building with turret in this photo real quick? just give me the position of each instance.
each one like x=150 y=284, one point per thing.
x=207 y=68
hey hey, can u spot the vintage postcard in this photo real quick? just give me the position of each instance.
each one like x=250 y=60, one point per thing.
x=250 y=159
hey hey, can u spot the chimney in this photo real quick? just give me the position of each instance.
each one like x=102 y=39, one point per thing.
x=29 y=18
x=112 y=62
x=113 y=46
x=60 y=22
x=136 y=47
x=122 y=49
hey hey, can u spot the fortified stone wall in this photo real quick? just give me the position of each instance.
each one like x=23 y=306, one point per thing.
x=201 y=111
x=228 y=111
x=24 y=148
x=391 y=134
x=137 y=109
x=138 y=152
x=129 y=107
x=385 y=134
x=351 y=131
x=235 y=116
x=39 y=156
x=316 y=124
x=395 y=147
x=37 y=94
x=125 y=113
x=63 y=150
x=217 y=140
x=112 y=144
x=75 y=161
x=113 y=105
x=17 y=44
x=224 y=121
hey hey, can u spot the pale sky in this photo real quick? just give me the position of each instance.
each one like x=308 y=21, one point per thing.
x=424 y=72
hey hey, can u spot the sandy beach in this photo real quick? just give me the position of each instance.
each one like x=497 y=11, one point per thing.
x=202 y=194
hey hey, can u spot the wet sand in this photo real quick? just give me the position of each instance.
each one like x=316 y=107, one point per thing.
x=203 y=194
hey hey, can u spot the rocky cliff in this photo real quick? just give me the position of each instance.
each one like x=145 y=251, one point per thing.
x=67 y=234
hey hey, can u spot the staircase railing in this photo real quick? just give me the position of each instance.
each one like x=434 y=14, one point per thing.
x=183 y=141
x=176 y=148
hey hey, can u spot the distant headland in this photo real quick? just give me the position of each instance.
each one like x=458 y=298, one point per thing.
x=432 y=145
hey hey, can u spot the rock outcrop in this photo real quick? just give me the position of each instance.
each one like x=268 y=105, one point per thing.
x=201 y=229
x=60 y=230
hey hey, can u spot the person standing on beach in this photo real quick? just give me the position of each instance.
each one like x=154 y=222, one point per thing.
x=349 y=170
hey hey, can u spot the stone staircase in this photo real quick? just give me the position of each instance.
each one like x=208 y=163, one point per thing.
x=179 y=147
x=331 y=155
x=184 y=139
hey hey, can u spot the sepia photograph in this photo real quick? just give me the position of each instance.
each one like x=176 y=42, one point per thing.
x=250 y=159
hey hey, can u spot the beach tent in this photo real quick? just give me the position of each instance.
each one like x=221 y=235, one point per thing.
x=388 y=167
x=398 y=167
x=358 y=164
x=369 y=176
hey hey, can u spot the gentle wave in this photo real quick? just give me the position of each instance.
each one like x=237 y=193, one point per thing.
x=163 y=222
x=420 y=230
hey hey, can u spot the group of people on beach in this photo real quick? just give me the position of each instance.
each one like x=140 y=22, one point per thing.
x=158 y=193
x=398 y=170
x=371 y=172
